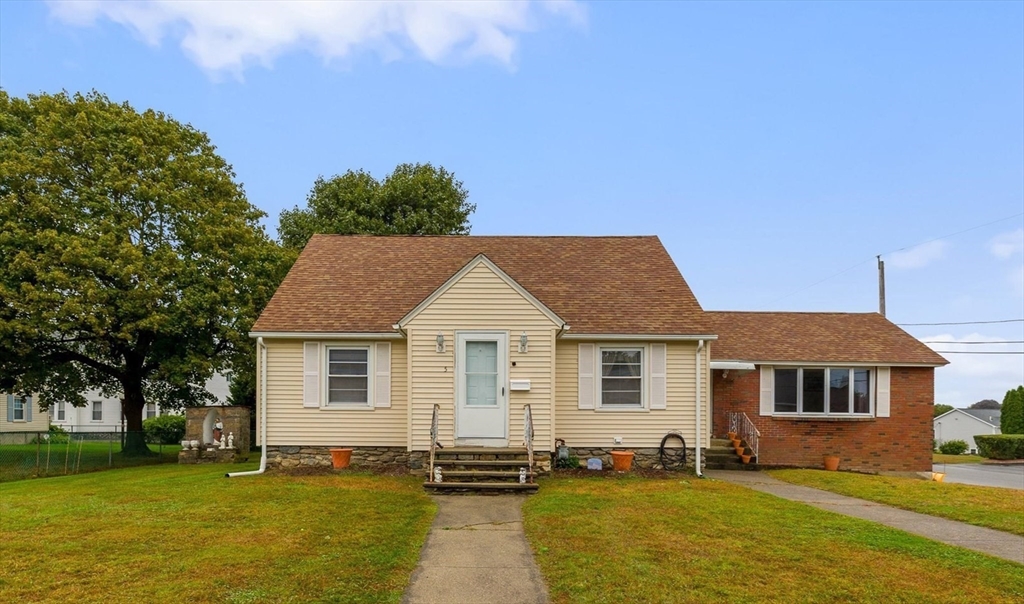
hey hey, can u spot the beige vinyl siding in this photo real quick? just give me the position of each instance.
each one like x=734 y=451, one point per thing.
x=638 y=429
x=481 y=300
x=289 y=423
x=40 y=419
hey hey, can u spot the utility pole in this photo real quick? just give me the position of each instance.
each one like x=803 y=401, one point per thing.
x=881 y=286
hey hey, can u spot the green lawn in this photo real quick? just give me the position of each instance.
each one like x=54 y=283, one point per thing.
x=997 y=508
x=942 y=458
x=187 y=534
x=690 y=540
x=30 y=461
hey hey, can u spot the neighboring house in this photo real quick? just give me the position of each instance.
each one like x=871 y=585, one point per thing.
x=103 y=414
x=600 y=336
x=965 y=424
x=22 y=414
x=849 y=384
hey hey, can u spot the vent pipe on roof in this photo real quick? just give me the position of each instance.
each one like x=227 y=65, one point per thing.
x=881 y=286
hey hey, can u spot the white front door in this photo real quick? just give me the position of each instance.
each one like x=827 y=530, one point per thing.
x=481 y=392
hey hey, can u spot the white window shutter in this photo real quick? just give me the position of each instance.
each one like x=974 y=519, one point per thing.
x=882 y=390
x=382 y=371
x=587 y=383
x=659 y=371
x=767 y=390
x=10 y=407
x=28 y=408
x=311 y=374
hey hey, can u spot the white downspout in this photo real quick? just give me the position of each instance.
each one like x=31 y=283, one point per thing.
x=696 y=448
x=263 y=414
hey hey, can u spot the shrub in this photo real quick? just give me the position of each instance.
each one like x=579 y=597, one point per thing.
x=953 y=447
x=56 y=436
x=165 y=429
x=1000 y=446
x=1012 y=421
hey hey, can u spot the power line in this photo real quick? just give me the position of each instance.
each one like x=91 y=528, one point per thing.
x=979 y=352
x=962 y=323
x=846 y=270
x=977 y=342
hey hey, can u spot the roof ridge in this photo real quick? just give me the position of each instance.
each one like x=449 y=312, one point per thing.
x=471 y=236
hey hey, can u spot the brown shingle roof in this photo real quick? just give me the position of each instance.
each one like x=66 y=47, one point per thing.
x=821 y=337
x=613 y=285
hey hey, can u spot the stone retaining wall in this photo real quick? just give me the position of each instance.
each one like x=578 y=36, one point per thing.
x=642 y=458
x=362 y=457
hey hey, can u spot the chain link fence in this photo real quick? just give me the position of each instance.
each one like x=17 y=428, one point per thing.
x=37 y=454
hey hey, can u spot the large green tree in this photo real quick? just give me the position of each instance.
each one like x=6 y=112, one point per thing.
x=415 y=199
x=130 y=260
x=1012 y=419
x=941 y=408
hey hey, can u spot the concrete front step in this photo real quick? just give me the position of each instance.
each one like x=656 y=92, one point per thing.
x=482 y=474
x=482 y=487
x=480 y=462
x=480 y=451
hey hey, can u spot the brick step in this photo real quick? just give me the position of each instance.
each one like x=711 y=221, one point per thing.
x=480 y=451
x=481 y=487
x=480 y=462
x=736 y=465
x=482 y=474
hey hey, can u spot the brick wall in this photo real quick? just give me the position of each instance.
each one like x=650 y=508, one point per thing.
x=901 y=442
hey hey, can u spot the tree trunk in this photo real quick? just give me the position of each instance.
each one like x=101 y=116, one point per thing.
x=132 y=405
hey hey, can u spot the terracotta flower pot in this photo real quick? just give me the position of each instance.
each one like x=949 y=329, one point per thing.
x=831 y=463
x=746 y=458
x=622 y=460
x=732 y=435
x=340 y=458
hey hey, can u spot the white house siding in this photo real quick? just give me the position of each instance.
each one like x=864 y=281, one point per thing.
x=638 y=429
x=480 y=300
x=957 y=425
x=289 y=423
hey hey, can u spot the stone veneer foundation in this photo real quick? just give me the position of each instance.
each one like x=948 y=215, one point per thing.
x=642 y=458
x=362 y=457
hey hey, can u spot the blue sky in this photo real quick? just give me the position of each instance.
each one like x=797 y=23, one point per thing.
x=770 y=146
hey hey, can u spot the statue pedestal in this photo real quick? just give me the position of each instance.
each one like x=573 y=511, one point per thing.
x=212 y=456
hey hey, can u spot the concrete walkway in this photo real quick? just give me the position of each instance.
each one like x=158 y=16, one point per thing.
x=980 y=539
x=476 y=551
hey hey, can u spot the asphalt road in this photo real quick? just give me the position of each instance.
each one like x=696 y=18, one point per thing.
x=1010 y=477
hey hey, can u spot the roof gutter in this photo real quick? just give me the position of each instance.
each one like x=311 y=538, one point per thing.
x=608 y=337
x=696 y=446
x=263 y=414
x=326 y=335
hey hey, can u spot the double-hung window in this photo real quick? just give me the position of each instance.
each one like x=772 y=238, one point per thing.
x=150 y=410
x=822 y=391
x=61 y=411
x=97 y=411
x=20 y=403
x=622 y=378
x=348 y=376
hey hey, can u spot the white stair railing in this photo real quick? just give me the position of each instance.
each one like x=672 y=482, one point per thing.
x=433 y=440
x=528 y=438
x=745 y=429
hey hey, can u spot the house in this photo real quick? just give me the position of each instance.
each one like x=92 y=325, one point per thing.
x=103 y=413
x=965 y=424
x=814 y=383
x=370 y=342
x=21 y=414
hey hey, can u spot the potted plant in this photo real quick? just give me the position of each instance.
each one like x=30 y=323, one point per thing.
x=745 y=458
x=340 y=458
x=831 y=462
x=622 y=460
x=731 y=435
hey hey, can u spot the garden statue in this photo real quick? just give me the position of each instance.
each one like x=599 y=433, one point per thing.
x=437 y=474
x=223 y=443
x=231 y=440
x=218 y=431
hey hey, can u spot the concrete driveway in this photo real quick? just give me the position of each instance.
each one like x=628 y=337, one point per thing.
x=1008 y=476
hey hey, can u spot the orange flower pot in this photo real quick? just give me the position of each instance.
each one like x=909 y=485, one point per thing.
x=622 y=460
x=340 y=458
x=732 y=435
x=746 y=458
x=831 y=463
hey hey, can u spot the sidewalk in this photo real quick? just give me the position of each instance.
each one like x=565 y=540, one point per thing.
x=477 y=552
x=980 y=539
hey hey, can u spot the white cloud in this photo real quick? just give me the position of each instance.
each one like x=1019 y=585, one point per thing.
x=230 y=36
x=1016 y=279
x=972 y=377
x=1005 y=245
x=918 y=256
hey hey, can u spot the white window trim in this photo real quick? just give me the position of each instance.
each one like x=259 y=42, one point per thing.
x=325 y=377
x=92 y=412
x=828 y=413
x=61 y=412
x=645 y=370
x=15 y=402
